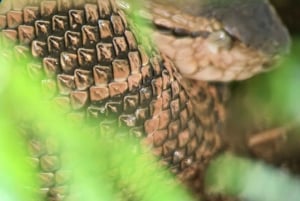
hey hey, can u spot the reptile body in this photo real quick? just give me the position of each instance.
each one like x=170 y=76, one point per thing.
x=91 y=64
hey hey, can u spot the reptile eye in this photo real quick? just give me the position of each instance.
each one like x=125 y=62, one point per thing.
x=219 y=40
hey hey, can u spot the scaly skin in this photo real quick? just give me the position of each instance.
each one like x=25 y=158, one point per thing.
x=215 y=40
x=90 y=63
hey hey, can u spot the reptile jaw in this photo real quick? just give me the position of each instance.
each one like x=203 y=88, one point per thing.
x=201 y=59
x=252 y=42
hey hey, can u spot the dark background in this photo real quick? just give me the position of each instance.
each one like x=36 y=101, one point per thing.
x=289 y=10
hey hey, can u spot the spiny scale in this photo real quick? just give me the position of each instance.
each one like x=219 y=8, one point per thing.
x=92 y=66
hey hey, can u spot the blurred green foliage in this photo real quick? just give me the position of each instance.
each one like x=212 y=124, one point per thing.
x=276 y=92
x=96 y=162
x=99 y=163
x=253 y=181
x=283 y=83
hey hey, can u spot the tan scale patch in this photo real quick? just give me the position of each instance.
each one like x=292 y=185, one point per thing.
x=194 y=59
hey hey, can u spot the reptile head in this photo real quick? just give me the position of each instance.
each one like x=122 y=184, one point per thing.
x=220 y=40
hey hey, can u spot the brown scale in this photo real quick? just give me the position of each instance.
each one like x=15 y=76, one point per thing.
x=92 y=66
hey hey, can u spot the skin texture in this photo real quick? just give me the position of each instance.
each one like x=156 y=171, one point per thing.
x=95 y=69
x=218 y=41
x=88 y=61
